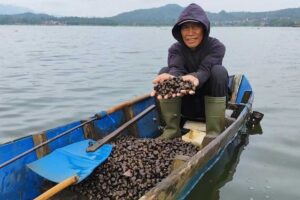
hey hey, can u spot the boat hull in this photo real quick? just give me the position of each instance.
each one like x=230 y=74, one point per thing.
x=18 y=182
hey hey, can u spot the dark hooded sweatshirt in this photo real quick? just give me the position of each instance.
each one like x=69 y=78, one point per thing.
x=197 y=62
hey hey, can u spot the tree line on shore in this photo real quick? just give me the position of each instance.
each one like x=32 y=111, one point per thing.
x=163 y=16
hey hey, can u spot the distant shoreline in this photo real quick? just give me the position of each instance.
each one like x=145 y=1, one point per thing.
x=145 y=25
x=162 y=16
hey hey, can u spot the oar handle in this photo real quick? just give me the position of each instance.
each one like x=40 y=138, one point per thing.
x=57 y=188
x=119 y=130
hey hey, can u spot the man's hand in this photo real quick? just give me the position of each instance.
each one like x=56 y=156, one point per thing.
x=159 y=79
x=191 y=79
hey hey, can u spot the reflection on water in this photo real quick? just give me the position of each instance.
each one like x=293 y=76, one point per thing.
x=223 y=171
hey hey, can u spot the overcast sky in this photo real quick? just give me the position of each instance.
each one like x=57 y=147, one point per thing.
x=101 y=8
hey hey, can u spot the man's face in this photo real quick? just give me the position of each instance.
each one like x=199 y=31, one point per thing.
x=192 y=34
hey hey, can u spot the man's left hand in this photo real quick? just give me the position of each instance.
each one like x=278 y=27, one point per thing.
x=191 y=79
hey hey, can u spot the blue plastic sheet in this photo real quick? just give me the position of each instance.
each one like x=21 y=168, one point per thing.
x=70 y=160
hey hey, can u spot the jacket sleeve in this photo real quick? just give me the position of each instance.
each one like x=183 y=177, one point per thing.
x=176 y=61
x=215 y=54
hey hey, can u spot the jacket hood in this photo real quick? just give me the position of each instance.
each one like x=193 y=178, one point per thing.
x=194 y=13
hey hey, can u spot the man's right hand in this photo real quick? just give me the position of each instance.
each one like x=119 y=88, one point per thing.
x=159 y=79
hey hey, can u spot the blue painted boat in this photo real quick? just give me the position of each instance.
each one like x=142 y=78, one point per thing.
x=17 y=181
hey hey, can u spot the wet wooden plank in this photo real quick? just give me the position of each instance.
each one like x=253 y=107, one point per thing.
x=128 y=112
x=38 y=139
x=178 y=161
x=90 y=131
x=236 y=85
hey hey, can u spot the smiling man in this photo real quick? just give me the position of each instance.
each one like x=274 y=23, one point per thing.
x=195 y=57
x=192 y=34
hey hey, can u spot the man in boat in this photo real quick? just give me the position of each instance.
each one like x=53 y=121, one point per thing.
x=195 y=57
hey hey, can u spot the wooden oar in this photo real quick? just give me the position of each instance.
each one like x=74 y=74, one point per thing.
x=59 y=187
x=73 y=179
x=117 y=132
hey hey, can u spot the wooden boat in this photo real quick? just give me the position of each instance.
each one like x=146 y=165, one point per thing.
x=18 y=182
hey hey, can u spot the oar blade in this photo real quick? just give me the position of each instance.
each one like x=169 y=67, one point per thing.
x=69 y=161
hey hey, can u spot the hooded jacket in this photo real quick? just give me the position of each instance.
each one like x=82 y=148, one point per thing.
x=198 y=62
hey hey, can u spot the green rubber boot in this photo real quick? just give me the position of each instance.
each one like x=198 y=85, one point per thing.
x=171 y=113
x=215 y=115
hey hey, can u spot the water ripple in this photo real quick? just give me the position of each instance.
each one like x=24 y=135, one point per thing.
x=48 y=81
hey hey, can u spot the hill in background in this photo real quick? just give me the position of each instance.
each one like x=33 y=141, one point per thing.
x=163 y=16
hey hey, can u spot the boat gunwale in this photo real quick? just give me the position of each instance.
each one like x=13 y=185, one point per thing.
x=127 y=103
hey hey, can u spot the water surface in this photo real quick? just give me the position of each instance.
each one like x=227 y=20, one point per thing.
x=51 y=75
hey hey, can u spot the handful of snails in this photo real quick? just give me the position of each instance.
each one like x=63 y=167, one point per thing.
x=173 y=87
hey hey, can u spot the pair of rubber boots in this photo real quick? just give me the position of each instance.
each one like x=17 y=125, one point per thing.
x=214 y=115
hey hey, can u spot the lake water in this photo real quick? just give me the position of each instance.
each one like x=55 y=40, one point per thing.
x=51 y=75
